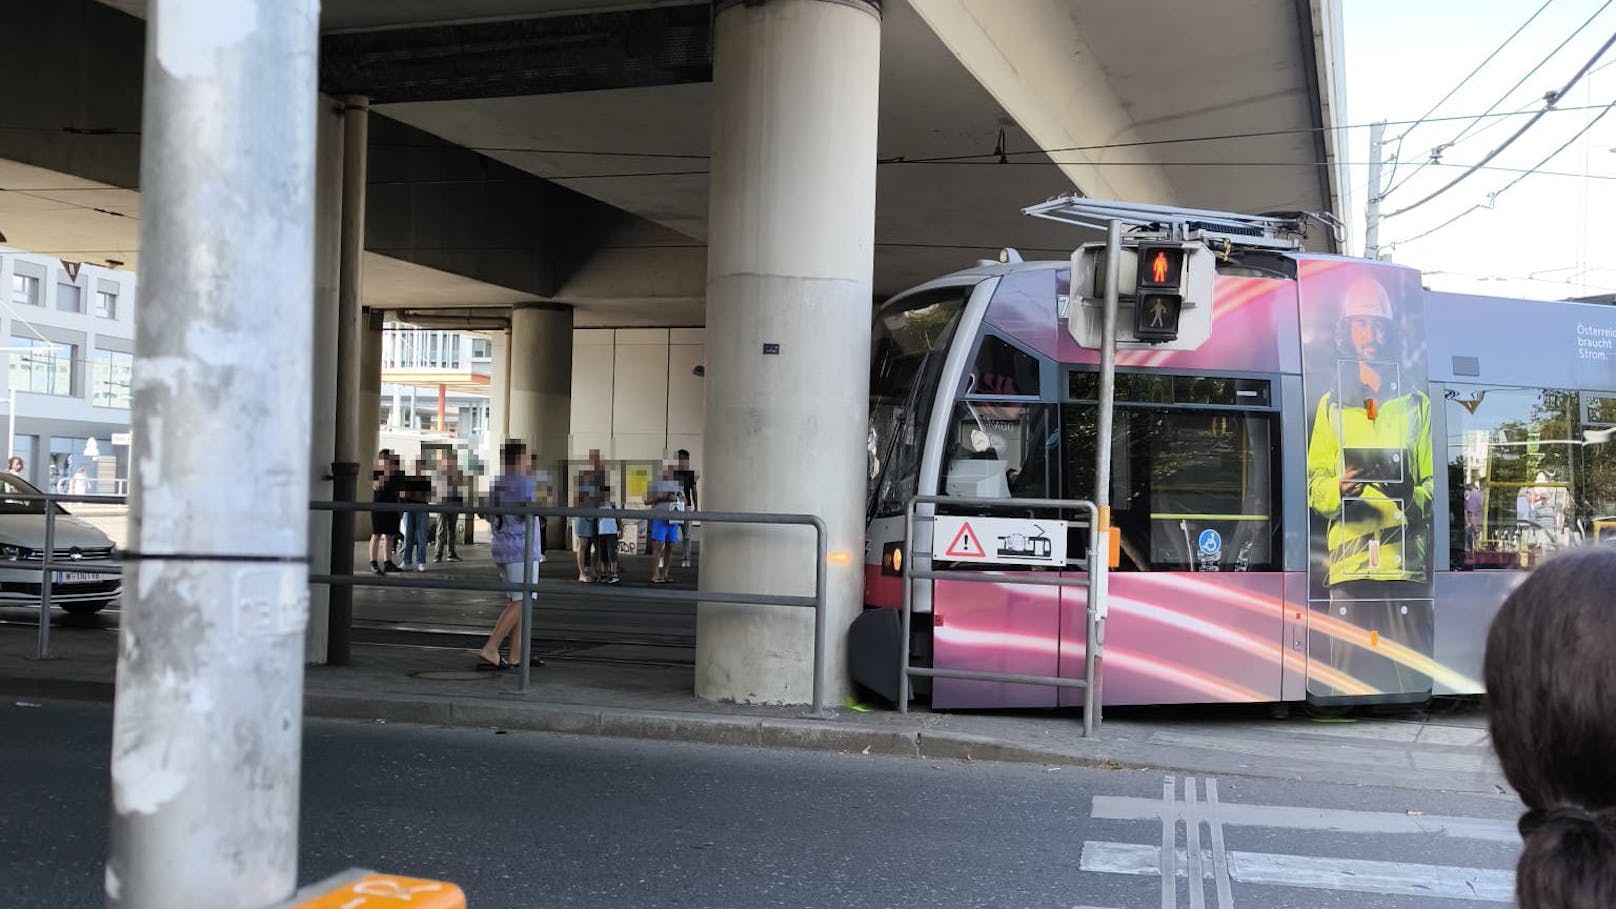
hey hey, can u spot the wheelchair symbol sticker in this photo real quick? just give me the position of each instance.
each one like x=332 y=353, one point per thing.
x=1210 y=543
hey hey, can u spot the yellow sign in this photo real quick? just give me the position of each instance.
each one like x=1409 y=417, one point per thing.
x=639 y=483
x=388 y=891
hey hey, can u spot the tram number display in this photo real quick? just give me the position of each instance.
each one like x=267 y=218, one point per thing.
x=999 y=541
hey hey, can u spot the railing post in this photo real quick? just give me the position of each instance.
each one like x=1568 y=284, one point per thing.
x=908 y=605
x=821 y=553
x=339 y=622
x=45 y=578
x=529 y=528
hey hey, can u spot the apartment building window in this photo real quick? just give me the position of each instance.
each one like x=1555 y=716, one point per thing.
x=106 y=304
x=482 y=349
x=69 y=298
x=111 y=370
x=44 y=367
x=25 y=290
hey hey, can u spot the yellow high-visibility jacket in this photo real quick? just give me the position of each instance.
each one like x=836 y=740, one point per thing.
x=1369 y=539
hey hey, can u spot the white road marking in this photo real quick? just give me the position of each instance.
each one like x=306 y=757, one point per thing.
x=1192 y=842
x=1169 y=842
x=1319 y=873
x=1220 y=861
x=1122 y=808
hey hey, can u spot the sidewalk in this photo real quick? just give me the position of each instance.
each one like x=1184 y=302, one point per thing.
x=595 y=696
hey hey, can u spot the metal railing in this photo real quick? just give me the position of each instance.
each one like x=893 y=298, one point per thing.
x=49 y=564
x=529 y=584
x=1095 y=583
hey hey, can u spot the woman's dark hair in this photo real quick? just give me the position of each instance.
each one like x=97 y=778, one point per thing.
x=511 y=453
x=1551 y=704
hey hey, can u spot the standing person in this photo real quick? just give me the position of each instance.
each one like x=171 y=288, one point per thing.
x=417 y=490
x=687 y=481
x=664 y=497
x=591 y=480
x=1370 y=476
x=384 y=490
x=1551 y=693
x=1474 y=506
x=606 y=544
x=449 y=488
x=513 y=487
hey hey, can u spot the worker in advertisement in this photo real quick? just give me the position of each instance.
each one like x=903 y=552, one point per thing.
x=1371 y=483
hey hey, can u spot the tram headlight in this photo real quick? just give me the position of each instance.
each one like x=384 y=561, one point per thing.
x=892 y=560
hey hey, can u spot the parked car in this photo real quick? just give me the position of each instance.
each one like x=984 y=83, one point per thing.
x=22 y=541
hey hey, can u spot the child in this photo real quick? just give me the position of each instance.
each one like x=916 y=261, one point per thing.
x=606 y=544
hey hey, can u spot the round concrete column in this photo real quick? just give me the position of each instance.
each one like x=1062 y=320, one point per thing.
x=791 y=233
x=540 y=401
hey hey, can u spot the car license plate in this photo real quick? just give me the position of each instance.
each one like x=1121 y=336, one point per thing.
x=75 y=577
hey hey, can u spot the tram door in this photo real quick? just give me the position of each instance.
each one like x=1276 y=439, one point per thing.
x=1196 y=605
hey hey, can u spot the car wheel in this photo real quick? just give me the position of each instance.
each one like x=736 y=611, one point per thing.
x=84 y=608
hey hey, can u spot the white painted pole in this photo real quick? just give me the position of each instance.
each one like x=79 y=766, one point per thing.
x=207 y=726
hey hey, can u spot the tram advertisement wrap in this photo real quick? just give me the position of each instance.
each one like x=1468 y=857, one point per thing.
x=1370 y=481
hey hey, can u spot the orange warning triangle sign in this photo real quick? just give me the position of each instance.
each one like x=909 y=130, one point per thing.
x=966 y=545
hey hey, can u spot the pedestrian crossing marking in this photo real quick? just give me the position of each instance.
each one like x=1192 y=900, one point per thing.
x=1333 y=820
x=1170 y=863
x=1313 y=872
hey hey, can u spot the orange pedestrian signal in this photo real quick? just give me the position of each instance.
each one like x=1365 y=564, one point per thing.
x=1160 y=267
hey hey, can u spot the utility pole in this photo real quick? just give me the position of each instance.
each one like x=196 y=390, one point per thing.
x=1372 y=216
x=207 y=725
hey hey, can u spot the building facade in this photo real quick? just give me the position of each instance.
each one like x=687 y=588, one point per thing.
x=69 y=348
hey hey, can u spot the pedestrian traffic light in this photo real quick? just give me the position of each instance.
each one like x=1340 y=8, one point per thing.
x=1161 y=294
x=1155 y=316
x=1160 y=267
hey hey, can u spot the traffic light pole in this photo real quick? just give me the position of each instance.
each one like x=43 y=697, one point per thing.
x=1108 y=377
x=208 y=719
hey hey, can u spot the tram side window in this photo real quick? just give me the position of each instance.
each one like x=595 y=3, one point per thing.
x=1002 y=369
x=1001 y=450
x=1192 y=489
x=1523 y=481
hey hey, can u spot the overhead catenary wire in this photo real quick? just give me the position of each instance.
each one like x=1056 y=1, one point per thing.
x=1493 y=196
x=1548 y=106
x=1463 y=82
x=1494 y=106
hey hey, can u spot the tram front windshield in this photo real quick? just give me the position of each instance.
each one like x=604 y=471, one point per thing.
x=907 y=350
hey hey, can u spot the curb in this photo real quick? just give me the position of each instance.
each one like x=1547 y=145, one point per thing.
x=750 y=731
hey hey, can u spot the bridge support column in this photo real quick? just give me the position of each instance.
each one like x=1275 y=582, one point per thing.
x=790 y=253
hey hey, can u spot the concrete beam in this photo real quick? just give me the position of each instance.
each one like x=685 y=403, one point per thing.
x=1038 y=65
x=663 y=45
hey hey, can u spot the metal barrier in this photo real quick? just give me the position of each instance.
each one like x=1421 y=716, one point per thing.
x=528 y=585
x=48 y=562
x=1095 y=564
x=114 y=566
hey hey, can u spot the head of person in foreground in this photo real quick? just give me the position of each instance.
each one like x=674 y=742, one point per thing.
x=1551 y=703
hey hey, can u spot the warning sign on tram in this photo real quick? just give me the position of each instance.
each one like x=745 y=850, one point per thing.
x=999 y=541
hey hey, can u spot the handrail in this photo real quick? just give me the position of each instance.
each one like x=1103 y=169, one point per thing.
x=1096 y=585
x=528 y=585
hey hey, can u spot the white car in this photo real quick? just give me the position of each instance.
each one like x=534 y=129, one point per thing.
x=22 y=545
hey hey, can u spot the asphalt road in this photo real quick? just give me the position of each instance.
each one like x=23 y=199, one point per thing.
x=529 y=820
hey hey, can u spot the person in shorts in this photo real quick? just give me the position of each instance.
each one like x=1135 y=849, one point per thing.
x=591 y=480
x=606 y=535
x=515 y=486
x=666 y=496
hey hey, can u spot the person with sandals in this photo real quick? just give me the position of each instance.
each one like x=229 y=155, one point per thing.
x=515 y=486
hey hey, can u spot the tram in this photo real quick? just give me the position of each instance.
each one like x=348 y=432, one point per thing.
x=1325 y=499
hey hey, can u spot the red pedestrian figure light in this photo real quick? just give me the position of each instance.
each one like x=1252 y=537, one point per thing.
x=1158 y=267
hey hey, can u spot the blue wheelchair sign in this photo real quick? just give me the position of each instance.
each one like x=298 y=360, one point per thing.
x=1210 y=543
